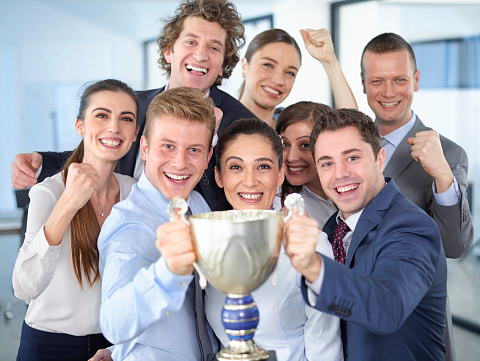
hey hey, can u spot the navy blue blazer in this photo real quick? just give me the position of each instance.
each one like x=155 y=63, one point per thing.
x=232 y=110
x=391 y=292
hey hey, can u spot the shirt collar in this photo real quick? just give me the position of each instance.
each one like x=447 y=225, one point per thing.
x=397 y=135
x=352 y=220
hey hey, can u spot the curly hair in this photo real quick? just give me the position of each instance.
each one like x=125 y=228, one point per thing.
x=222 y=12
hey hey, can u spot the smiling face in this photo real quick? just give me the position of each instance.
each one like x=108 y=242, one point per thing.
x=270 y=75
x=348 y=170
x=299 y=165
x=176 y=155
x=389 y=82
x=198 y=54
x=249 y=175
x=109 y=126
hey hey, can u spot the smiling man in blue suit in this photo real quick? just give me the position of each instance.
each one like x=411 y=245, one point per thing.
x=391 y=292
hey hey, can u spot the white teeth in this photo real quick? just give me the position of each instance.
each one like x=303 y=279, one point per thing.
x=270 y=90
x=202 y=70
x=389 y=105
x=250 y=196
x=177 y=177
x=346 y=188
x=110 y=143
x=296 y=169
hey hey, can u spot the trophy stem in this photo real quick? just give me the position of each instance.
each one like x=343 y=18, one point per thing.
x=240 y=318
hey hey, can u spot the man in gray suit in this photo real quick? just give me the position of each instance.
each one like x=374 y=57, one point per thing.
x=429 y=169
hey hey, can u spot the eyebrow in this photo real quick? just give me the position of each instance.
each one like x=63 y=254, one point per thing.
x=276 y=62
x=345 y=152
x=234 y=157
x=110 y=112
x=166 y=140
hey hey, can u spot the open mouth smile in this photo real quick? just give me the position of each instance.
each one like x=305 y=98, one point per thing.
x=271 y=91
x=350 y=187
x=250 y=196
x=196 y=69
x=389 y=105
x=111 y=142
x=176 y=178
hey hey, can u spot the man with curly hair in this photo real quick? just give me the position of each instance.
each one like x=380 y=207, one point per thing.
x=198 y=47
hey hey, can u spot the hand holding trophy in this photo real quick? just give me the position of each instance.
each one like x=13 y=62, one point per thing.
x=237 y=251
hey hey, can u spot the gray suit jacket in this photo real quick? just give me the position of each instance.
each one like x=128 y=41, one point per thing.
x=454 y=222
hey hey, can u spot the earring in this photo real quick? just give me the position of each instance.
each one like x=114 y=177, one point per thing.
x=243 y=74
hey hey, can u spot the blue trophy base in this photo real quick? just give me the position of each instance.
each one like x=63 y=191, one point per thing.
x=240 y=318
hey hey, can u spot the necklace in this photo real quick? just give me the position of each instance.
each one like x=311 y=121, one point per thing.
x=102 y=213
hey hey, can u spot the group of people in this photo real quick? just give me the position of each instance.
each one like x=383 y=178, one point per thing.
x=108 y=276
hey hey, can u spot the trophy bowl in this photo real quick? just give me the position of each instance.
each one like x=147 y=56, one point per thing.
x=236 y=252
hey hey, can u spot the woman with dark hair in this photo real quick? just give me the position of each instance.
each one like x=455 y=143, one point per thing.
x=57 y=269
x=295 y=125
x=270 y=66
x=250 y=176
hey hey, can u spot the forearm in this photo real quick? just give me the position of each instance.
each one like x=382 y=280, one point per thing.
x=455 y=221
x=134 y=300
x=58 y=222
x=455 y=225
x=341 y=90
x=35 y=266
x=37 y=260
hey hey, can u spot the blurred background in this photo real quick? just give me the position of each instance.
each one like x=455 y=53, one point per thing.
x=50 y=48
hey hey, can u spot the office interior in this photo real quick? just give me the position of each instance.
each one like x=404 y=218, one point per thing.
x=50 y=48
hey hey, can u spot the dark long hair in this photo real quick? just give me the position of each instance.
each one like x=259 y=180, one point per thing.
x=306 y=112
x=268 y=37
x=84 y=226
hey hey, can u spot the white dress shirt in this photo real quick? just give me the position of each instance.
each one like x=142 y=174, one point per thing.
x=44 y=276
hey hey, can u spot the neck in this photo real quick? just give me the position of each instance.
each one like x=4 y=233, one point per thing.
x=316 y=187
x=262 y=113
x=386 y=127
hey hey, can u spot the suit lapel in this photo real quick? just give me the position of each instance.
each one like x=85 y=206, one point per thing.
x=372 y=215
x=401 y=158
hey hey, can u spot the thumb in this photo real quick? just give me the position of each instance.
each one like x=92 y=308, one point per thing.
x=410 y=141
x=305 y=36
x=177 y=214
x=36 y=160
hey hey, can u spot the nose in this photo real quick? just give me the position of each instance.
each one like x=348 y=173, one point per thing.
x=291 y=154
x=341 y=171
x=278 y=77
x=388 y=90
x=250 y=179
x=114 y=125
x=200 y=53
x=179 y=160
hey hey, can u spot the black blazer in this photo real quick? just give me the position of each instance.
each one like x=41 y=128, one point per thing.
x=232 y=110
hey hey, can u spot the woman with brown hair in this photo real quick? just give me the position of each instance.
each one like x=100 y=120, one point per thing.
x=57 y=270
x=295 y=125
x=271 y=64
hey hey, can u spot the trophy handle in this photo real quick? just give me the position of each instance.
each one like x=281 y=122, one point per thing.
x=180 y=203
x=292 y=200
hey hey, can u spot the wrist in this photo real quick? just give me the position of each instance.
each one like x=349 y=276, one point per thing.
x=313 y=271
x=443 y=182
